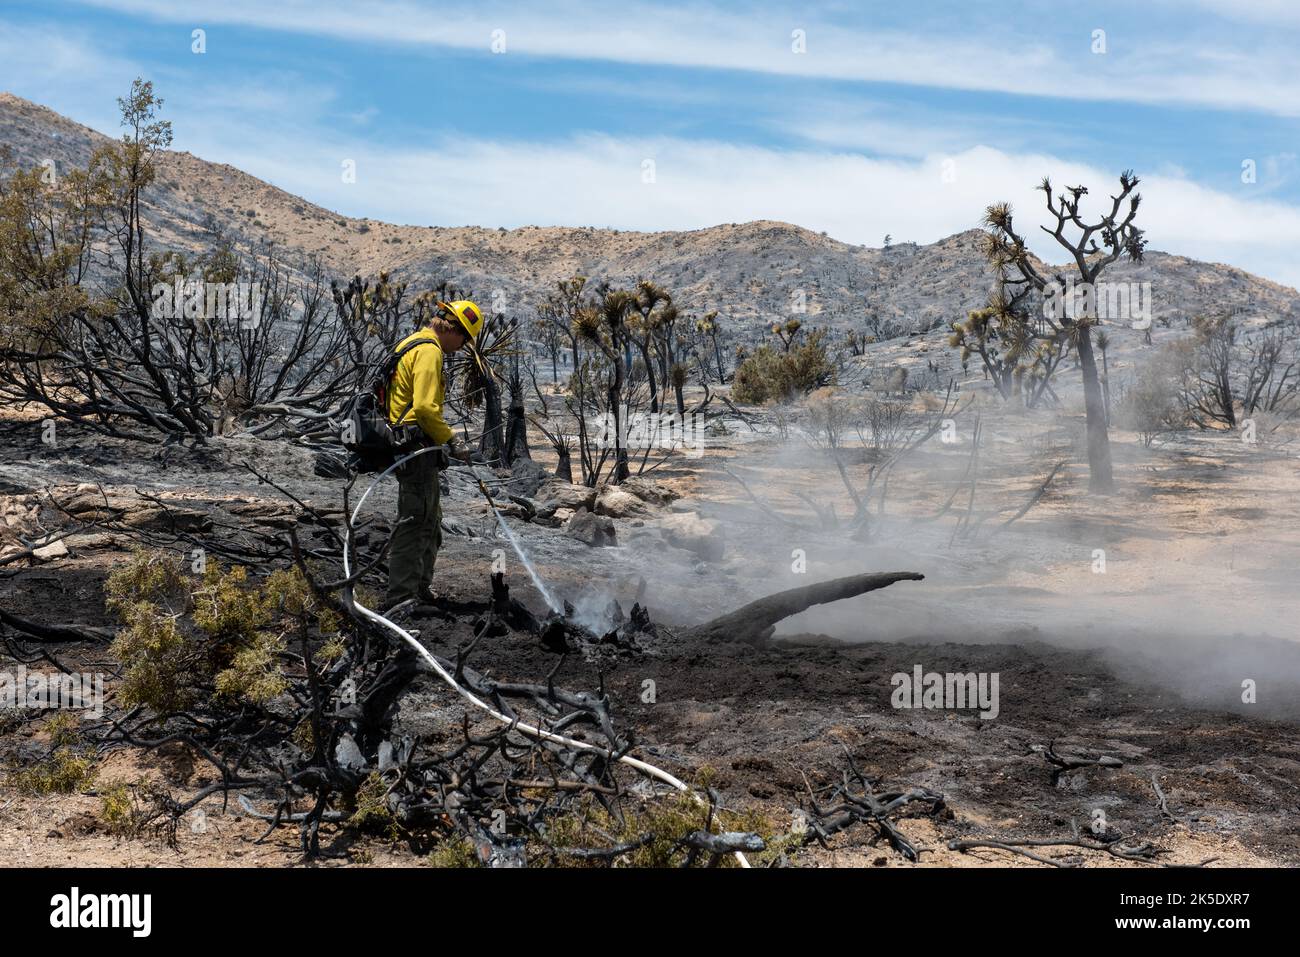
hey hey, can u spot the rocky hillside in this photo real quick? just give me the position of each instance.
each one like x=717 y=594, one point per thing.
x=750 y=272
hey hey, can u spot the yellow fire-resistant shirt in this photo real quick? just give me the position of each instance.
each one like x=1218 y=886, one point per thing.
x=418 y=382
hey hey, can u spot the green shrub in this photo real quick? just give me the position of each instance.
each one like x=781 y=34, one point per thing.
x=769 y=375
x=68 y=767
x=184 y=638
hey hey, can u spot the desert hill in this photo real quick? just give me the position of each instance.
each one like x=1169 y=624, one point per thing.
x=750 y=272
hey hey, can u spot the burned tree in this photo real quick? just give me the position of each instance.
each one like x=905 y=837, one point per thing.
x=1272 y=379
x=652 y=302
x=1206 y=371
x=709 y=328
x=1061 y=324
x=103 y=328
x=516 y=446
x=1014 y=365
x=887 y=430
x=754 y=623
x=604 y=328
x=561 y=312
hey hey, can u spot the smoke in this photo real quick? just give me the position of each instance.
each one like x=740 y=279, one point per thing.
x=1183 y=578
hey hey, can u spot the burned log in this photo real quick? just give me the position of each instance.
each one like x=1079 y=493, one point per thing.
x=755 y=622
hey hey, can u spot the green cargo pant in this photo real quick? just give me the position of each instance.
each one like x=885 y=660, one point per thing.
x=419 y=531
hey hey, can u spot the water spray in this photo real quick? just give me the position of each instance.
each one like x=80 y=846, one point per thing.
x=519 y=549
x=539 y=734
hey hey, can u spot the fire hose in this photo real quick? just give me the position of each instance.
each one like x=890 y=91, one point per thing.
x=528 y=730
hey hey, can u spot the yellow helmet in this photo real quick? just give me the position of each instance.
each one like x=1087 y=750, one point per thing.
x=469 y=315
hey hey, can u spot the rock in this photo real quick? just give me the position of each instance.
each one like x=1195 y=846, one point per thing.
x=617 y=503
x=526 y=477
x=347 y=754
x=642 y=540
x=506 y=508
x=90 y=498
x=93 y=541
x=562 y=515
x=554 y=494
x=649 y=491
x=20 y=511
x=169 y=519
x=594 y=530
x=51 y=551
x=704 y=537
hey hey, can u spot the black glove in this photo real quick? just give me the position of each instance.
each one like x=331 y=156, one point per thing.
x=458 y=450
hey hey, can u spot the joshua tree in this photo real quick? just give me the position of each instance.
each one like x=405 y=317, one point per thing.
x=1020 y=279
x=551 y=341
x=787 y=332
x=651 y=302
x=604 y=326
x=664 y=330
x=561 y=311
x=707 y=327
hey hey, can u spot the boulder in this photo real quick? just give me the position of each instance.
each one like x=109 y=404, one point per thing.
x=618 y=503
x=95 y=541
x=649 y=491
x=526 y=477
x=554 y=494
x=590 y=529
x=87 y=498
x=704 y=537
x=55 y=549
x=169 y=519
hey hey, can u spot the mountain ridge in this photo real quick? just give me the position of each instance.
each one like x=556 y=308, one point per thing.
x=753 y=272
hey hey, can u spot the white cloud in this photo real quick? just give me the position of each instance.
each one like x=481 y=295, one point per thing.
x=1271 y=12
x=65 y=65
x=1138 y=68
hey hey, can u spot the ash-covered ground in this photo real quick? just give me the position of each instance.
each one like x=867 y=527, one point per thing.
x=1139 y=654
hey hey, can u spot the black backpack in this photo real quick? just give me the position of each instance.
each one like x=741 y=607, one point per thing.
x=373 y=442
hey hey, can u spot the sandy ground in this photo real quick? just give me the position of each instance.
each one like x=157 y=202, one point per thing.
x=1143 y=661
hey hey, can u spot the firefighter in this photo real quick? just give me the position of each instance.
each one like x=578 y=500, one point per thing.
x=416 y=400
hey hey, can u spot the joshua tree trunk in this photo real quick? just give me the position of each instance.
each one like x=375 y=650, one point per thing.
x=755 y=623
x=621 y=470
x=516 y=435
x=1100 y=478
x=650 y=376
x=563 y=466
x=1105 y=382
x=492 y=444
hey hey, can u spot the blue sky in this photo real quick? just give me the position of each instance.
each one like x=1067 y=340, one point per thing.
x=897 y=118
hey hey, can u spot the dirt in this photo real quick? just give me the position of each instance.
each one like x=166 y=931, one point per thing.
x=1143 y=663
